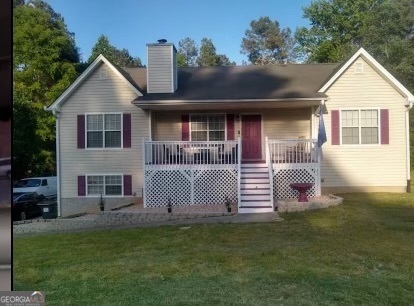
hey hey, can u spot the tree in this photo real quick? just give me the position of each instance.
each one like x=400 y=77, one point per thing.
x=188 y=52
x=121 y=58
x=265 y=43
x=208 y=56
x=45 y=60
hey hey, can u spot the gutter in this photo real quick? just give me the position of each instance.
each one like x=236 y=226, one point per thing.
x=55 y=113
x=408 y=106
x=186 y=102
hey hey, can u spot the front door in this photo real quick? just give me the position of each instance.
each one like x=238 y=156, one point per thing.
x=251 y=137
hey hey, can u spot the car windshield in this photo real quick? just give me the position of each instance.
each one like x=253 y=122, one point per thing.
x=29 y=183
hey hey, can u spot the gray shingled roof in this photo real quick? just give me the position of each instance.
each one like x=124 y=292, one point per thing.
x=241 y=82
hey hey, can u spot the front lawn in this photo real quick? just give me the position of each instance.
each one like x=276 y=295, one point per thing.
x=361 y=252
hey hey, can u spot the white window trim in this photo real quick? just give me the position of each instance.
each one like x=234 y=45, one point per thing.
x=103 y=195
x=209 y=114
x=359 y=126
x=103 y=148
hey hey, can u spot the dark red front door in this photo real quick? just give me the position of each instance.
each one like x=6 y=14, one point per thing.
x=251 y=137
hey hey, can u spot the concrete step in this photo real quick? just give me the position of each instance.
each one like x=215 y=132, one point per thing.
x=254 y=203
x=250 y=210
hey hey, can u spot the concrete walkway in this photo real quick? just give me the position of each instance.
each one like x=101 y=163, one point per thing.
x=119 y=219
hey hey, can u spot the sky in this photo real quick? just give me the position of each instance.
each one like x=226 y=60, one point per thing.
x=131 y=24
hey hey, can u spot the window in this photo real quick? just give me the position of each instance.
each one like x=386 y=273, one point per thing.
x=207 y=127
x=107 y=185
x=103 y=130
x=360 y=126
x=44 y=182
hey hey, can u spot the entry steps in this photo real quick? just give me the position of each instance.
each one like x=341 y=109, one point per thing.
x=255 y=195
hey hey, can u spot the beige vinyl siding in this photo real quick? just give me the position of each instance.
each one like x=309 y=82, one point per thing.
x=160 y=79
x=95 y=95
x=289 y=123
x=166 y=126
x=365 y=165
x=278 y=123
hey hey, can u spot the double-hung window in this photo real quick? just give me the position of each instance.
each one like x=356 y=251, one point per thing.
x=207 y=127
x=360 y=126
x=103 y=130
x=106 y=185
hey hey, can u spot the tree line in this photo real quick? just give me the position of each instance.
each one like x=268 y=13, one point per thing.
x=46 y=59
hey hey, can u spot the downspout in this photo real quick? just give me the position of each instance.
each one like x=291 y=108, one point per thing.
x=409 y=106
x=56 y=114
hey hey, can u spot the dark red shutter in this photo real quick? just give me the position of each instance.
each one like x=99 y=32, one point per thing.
x=127 y=184
x=81 y=185
x=335 y=127
x=385 y=127
x=81 y=131
x=185 y=127
x=230 y=127
x=127 y=130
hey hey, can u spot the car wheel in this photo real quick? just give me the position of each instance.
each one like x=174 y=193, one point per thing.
x=23 y=216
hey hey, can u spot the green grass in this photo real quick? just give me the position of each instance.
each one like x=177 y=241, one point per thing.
x=361 y=252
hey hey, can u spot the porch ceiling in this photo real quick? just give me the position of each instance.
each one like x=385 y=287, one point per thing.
x=227 y=105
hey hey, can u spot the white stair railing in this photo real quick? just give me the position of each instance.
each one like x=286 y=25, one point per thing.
x=270 y=171
x=239 y=155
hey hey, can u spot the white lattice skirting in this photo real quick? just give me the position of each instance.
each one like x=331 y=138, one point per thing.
x=191 y=185
x=285 y=174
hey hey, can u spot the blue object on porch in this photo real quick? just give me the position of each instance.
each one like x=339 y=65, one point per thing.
x=321 y=132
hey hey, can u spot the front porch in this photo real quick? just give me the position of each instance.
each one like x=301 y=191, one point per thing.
x=212 y=172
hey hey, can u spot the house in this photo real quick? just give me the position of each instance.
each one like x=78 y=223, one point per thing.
x=203 y=135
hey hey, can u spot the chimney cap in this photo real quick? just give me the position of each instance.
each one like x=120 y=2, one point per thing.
x=162 y=41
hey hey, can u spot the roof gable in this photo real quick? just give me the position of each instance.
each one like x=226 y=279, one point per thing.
x=55 y=105
x=376 y=66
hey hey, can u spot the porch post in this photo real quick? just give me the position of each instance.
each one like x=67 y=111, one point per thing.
x=144 y=157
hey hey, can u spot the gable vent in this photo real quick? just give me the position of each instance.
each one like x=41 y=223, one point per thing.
x=359 y=67
x=162 y=67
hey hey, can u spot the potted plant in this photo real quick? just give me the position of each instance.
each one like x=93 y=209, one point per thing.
x=169 y=205
x=228 y=203
x=102 y=203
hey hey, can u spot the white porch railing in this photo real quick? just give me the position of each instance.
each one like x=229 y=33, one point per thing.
x=294 y=161
x=191 y=172
x=191 y=152
x=293 y=151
